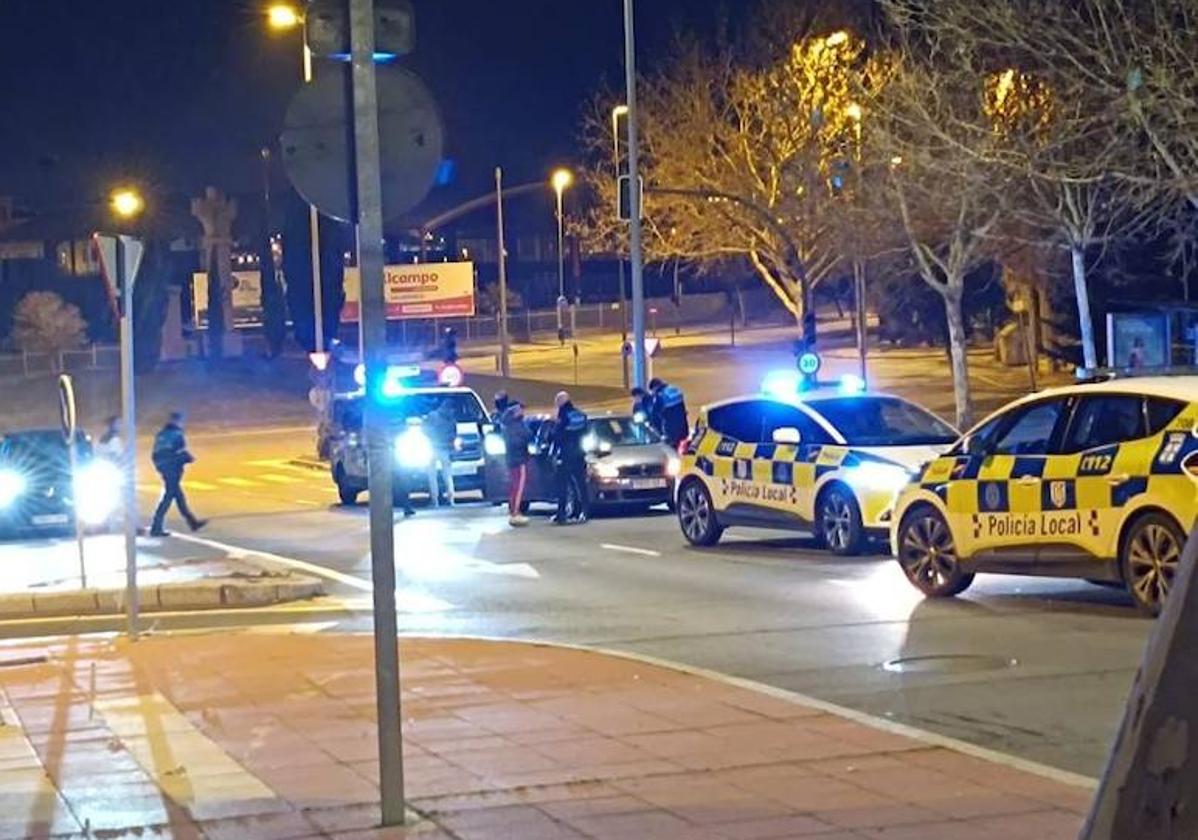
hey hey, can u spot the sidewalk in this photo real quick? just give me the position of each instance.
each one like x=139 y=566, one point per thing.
x=42 y=578
x=251 y=736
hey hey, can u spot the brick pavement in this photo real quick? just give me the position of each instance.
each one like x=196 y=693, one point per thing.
x=249 y=735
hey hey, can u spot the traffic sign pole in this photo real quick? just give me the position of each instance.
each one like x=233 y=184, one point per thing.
x=128 y=409
x=70 y=431
x=636 y=255
x=367 y=189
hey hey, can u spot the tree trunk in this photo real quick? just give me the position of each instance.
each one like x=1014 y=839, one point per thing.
x=1089 y=353
x=959 y=355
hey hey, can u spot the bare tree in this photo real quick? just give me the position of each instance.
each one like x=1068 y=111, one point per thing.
x=44 y=323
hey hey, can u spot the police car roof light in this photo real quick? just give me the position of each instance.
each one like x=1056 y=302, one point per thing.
x=851 y=384
x=782 y=384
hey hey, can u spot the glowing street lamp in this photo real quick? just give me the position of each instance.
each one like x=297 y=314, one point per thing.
x=282 y=16
x=838 y=38
x=126 y=203
x=854 y=112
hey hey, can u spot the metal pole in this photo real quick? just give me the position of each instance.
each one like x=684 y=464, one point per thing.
x=862 y=325
x=128 y=408
x=615 y=136
x=634 y=204
x=369 y=206
x=314 y=231
x=504 y=342
x=561 y=260
x=70 y=417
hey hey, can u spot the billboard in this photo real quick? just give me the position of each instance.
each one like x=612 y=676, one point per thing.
x=426 y=290
x=1138 y=339
x=247 y=298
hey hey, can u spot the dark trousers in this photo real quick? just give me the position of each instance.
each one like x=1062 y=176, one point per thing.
x=572 y=472
x=172 y=493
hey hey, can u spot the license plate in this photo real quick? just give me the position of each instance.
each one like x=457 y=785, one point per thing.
x=50 y=519
x=649 y=484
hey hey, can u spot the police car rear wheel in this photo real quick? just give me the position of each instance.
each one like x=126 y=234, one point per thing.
x=1150 y=557
x=839 y=522
x=348 y=496
x=696 y=515
x=928 y=555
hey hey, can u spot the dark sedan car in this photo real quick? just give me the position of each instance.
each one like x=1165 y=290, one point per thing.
x=38 y=492
x=628 y=464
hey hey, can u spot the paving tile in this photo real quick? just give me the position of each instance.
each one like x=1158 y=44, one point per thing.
x=799 y=825
x=514 y=821
x=1044 y=825
x=645 y=825
x=284 y=826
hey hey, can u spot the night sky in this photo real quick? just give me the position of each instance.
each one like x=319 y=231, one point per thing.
x=180 y=93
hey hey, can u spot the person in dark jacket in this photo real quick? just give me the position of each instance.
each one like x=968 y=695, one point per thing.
x=669 y=412
x=170 y=457
x=441 y=426
x=516 y=438
x=570 y=460
x=642 y=405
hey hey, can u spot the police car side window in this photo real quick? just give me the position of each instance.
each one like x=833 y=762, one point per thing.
x=779 y=416
x=1031 y=432
x=1104 y=420
x=1161 y=413
x=741 y=420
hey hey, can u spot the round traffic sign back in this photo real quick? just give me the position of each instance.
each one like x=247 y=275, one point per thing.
x=315 y=141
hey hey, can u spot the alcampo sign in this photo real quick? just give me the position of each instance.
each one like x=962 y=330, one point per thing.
x=426 y=290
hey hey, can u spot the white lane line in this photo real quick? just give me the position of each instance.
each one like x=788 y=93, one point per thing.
x=238 y=482
x=302 y=565
x=628 y=549
x=275 y=478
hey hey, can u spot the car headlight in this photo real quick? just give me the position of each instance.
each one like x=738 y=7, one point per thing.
x=413 y=449
x=673 y=467
x=603 y=470
x=97 y=491
x=12 y=485
x=886 y=478
x=590 y=443
x=494 y=445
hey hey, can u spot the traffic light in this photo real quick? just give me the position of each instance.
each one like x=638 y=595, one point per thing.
x=624 y=197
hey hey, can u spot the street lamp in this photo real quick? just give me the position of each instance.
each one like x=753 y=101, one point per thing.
x=837 y=39
x=854 y=112
x=126 y=203
x=561 y=181
x=283 y=17
x=617 y=113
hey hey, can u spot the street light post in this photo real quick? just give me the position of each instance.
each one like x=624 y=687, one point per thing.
x=561 y=180
x=282 y=16
x=616 y=113
x=636 y=256
x=856 y=114
x=505 y=369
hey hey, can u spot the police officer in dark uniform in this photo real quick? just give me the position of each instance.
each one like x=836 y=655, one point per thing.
x=570 y=459
x=170 y=458
x=669 y=414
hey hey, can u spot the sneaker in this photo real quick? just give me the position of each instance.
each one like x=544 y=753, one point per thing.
x=518 y=521
x=158 y=532
x=199 y=525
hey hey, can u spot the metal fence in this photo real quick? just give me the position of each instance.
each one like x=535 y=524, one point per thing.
x=27 y=365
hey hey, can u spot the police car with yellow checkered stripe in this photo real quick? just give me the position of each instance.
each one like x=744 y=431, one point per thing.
x=829 y=461
x=1095 y=481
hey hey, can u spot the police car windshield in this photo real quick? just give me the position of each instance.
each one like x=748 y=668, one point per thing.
x=884 y=421
x=623 y=431
x=466 y=408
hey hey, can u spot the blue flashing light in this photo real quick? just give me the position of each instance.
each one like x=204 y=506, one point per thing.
x=446 y=173
x=379 y=57
x=782 y=384
x=395 y=380
x=851 y=384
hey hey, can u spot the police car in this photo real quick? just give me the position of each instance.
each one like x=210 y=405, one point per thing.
x=1093 y=481
x=829 y=461
x=40 y=495
x=408 y=398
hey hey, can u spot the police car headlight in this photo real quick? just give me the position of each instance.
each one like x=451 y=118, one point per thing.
x=12 y=486
x=590 y=443
x=96 y=491
x=887 y=478
x=494 y=445
x=606 y=471
x=413 y=449
x=673 y=467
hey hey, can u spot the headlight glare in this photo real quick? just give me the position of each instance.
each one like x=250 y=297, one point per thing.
x=413 y=450
x=604 y=470
x=673 y=467
x=12 y=485
x=887 y=478
x=97 y=491
x=494 y=445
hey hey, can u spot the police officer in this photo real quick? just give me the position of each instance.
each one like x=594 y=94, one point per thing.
x=170 y=458
x=642 y=405
x=570 y=459
x=669 y=412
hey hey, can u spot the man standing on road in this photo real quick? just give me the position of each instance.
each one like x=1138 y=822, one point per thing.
x=170 y=458
x=571 y=461
x=669 y=412
x=441 y=426
x=516 y=439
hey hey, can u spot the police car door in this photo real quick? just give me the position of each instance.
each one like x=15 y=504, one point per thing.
x=1006 y=510
x=1114 y=446
x=789 y=472
x=738 y=426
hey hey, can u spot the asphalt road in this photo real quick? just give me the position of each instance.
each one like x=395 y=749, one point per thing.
x=1035 y=668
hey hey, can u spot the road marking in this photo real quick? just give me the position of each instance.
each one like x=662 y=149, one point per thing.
x=282 y=464
x=628 y=549
x=237 y=482
x=274 y=478
x=199 y=486
x=246 y=554
x=186 y=764
x=309 y=503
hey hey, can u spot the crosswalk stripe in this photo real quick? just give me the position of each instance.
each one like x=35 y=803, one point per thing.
x=200 y=486
x=277 y=464
x=278 y=479
x=237 y=482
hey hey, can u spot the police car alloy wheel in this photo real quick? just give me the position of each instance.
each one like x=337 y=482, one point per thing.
x=928 y=555
x=1150 y=556
x=696 y=514
x=839 y=521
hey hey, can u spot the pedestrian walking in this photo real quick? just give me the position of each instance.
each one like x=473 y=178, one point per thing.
x=441 y=426
x=570 y=461
x=516 y=439
x=171 y=457
x=110 y=447
x=669 y=412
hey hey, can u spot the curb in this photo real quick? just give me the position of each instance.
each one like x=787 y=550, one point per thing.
x=215 y=593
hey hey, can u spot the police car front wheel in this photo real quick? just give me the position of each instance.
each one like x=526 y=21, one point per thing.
x=1150 y=556
x=696 y=514
x=839 y=525
x=928 y=555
